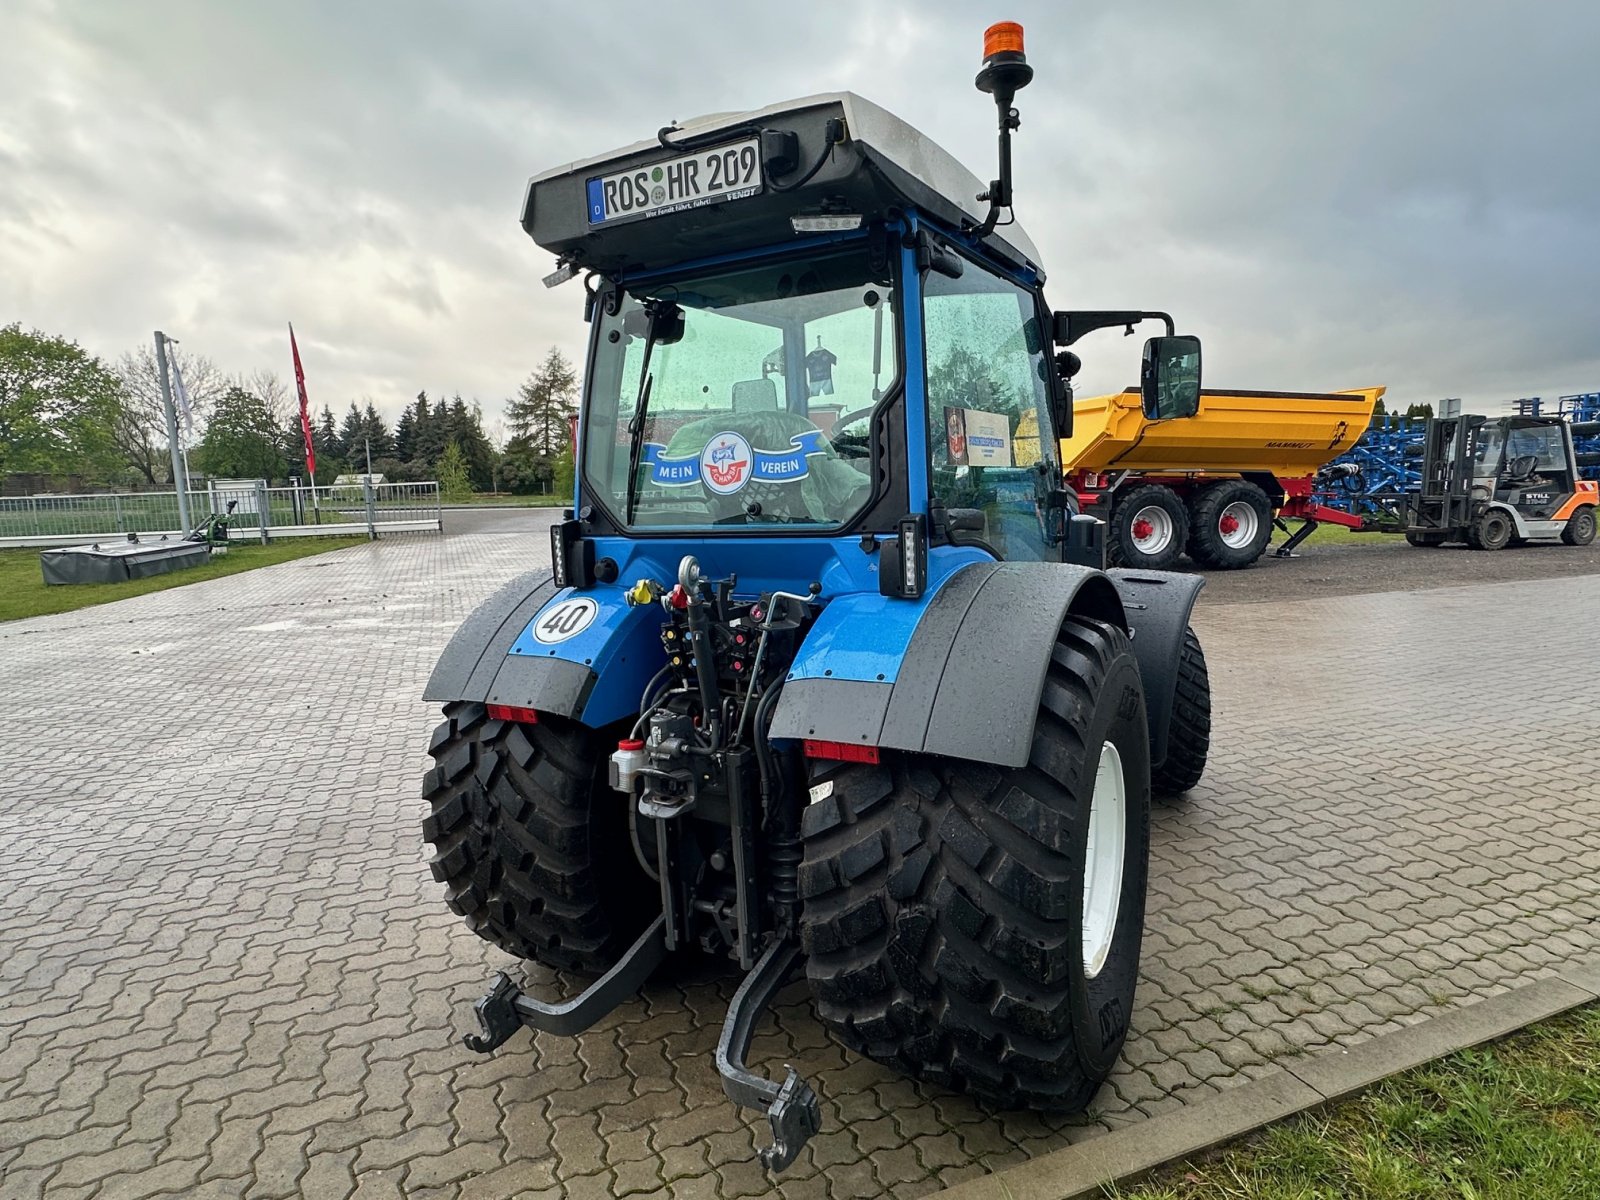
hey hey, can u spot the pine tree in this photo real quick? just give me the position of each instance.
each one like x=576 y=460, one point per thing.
x=327 y=433
x=377 y=432
x=353 y=436
x=405 y=436
x=544 y=404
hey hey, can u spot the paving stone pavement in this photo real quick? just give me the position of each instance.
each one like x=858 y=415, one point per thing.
x=225 y=970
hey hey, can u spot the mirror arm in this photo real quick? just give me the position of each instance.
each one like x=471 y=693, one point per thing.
x=1070 y=326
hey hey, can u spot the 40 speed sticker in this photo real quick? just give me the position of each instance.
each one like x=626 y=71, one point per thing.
x=564 y=619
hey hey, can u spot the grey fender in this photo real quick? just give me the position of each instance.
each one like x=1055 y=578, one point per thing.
x=969 y=684
x=1157 y=604
x=477 y=663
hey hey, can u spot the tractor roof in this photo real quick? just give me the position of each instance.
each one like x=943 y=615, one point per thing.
x=882 y=164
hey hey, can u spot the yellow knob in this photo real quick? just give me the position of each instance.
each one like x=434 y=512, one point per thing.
x=640 y=593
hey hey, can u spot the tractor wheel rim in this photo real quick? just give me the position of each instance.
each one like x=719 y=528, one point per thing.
x=1152 y=529
x=1103 y=859
x=1238 y=525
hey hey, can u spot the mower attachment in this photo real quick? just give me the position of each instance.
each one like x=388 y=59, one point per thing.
x=505 y=1009
x=792 y=1107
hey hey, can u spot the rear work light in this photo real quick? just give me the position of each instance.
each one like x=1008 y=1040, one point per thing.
x=840 y=751
x=510 y=712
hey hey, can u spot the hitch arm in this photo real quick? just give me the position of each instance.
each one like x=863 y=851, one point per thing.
x=792 y=1107
x=505 y=1009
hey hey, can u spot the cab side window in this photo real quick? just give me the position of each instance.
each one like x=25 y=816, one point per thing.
x=988 y=399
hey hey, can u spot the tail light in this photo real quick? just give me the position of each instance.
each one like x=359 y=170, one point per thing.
x=841 y=751
x=511 y=712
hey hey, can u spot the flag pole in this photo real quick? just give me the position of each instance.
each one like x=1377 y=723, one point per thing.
x=305 y=423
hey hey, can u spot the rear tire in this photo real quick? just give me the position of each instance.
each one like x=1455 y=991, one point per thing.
x=1230 y=523
x=944 y=900
x=1426 y=541
x=1580 y=527
x=1491 y=531
x=1189 y=734
x=529 y=840
x=1147 y=529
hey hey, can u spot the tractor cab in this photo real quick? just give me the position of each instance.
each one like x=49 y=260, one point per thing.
x=804 y=322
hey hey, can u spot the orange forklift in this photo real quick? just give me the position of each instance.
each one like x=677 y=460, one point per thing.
x=1503 y=481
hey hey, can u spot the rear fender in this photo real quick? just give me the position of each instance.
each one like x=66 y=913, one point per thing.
x=968 y=682
x=1158 y=605
x=595 y=675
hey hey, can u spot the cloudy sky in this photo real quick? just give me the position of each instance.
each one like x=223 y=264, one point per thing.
x=1404 y=192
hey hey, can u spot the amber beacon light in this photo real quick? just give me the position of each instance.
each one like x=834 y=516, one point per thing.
x=1005 y=73
x=1003 y=37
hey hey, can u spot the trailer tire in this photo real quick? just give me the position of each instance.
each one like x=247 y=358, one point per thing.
x=1580 y=527
x=944 y=901
x=1147 y=528
x=1189 y=733
x=530 y=842
x=1491 y=531
x=1230 y=524
x=1426 y=541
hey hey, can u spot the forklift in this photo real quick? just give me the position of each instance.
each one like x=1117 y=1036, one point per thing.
x=1502 y=481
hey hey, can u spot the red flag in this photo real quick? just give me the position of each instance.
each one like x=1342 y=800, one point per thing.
x=305 y=410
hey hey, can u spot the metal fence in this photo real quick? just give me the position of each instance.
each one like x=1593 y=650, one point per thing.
x=259 y=512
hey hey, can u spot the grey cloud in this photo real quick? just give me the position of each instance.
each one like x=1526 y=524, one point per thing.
x=1332 y=196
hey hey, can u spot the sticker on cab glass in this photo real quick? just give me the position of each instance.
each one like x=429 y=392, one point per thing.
x=728 y=462
x=564 y=619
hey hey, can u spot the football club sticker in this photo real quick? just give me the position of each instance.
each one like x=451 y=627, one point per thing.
x=725 y=463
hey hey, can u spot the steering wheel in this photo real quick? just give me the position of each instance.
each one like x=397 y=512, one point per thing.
x=854 y=415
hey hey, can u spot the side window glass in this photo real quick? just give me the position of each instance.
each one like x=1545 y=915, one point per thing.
x=988 y=400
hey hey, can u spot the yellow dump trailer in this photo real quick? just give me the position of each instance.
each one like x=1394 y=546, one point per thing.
x=1212 y=483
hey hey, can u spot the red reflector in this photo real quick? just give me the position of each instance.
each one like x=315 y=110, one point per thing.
x=510 y=712
x=841 y=751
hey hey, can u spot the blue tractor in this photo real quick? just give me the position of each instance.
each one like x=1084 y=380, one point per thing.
x=826 y=677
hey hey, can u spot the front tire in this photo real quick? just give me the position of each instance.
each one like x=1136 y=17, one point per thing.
x=946 y=902
x=1189 y=733
x=1492 y=531
x=529 y=840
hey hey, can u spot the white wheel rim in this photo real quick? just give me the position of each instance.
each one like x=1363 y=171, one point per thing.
x=1151 y=529
x=1103 y=860
x=1237 y=525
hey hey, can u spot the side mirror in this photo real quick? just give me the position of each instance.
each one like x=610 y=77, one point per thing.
x=1169 y=378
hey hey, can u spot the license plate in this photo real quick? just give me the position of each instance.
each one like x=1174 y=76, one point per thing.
x=726 y=173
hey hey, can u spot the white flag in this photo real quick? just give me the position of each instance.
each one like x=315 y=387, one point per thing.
x=180 y=393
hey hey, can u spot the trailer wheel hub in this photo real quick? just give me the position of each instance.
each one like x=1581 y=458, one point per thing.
x=1152 y=529
x=1238 y=525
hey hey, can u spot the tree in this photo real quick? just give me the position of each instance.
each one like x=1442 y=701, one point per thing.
x=376 y=432
x=243 y=438
x=453 y=481
x=428 y=438
x=405 y=436
x=464 y=426
x=58 y=406
x=140 y=432
x=353 y=436
x=544 y=404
